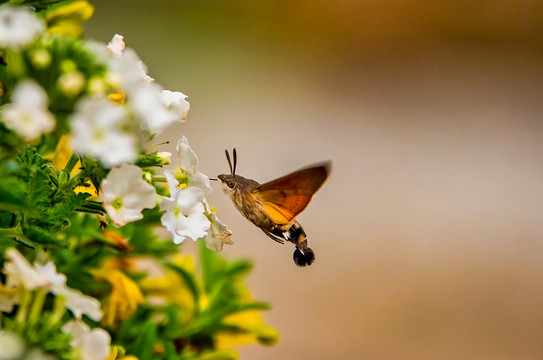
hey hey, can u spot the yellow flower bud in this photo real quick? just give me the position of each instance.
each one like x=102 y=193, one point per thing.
x=40 y=58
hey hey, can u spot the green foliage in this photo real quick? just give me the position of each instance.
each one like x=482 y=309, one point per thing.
x=51 y=213
x=45 y=334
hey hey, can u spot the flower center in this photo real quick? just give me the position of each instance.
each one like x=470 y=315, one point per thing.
x=117 y=203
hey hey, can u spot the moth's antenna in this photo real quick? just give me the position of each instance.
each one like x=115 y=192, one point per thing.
x=229 y=162
x=235 y=162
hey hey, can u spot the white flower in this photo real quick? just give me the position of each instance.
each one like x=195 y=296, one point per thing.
x=20 y=272
x=92 y=344
x=126 y=194
x=218 y=234
x=131 y=69
x=184 y=216
x=97 y=132
x=19 y=27
x=146 y=100
x=12 y=346
x=176 y=103
x=116 y=46
x=28 y=114
x=188 y=162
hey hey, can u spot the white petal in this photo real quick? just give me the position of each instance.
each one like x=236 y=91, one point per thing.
x=218 y=235
x=19 y=27
x=193 y=226
x=28 y=114
x=172 y=182
x=50 y=274
x=147 y=103
x=97 y=345
x=19 y=271
x=197 y=179
x=80 y=303
x=29 y=93
x=92 y=344
x=126 y=194
x=189 y=200
x=116 y=46
x=175 y=102
x=188 y=161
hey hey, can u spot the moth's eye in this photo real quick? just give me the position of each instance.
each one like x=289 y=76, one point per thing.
x=230 y=184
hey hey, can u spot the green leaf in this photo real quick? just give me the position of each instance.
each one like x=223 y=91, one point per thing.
x=191 y=283
x=144 y=343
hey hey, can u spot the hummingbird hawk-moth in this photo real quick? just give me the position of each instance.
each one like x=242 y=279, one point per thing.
x=273 y=206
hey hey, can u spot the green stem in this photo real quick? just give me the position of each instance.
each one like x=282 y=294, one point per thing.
x=15 y=62
x=72 y=161
x=37 y=306
x=179 y=176
x=58 y=311
x=159 y=178
x=10 y=231
x=20 y=318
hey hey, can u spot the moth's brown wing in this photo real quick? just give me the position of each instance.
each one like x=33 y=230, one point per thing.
x=284 y=198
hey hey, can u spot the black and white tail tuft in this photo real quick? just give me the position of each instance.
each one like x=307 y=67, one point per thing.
x=303 y=255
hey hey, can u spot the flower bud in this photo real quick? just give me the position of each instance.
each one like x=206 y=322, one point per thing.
x=71 y=83
x=40 y=58
x=165 y=157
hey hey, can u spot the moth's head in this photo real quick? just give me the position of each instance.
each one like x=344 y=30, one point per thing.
x=229 y=181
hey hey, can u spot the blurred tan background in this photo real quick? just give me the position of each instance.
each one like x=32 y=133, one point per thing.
x=429 y=233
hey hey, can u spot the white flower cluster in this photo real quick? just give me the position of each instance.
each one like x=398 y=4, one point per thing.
x=112 y=132
x=20 y=272
x=126 y=194
x=92 y=344
x=109 y=123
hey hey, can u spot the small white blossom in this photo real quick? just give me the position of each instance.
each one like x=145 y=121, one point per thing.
x=20 y=272
x=19 y=27
x=188 y=162
x=176 y=103
x=184 y=216
x=28 y=114
x=126 y=194
x=91 y=344
x=131 y=69
x=218 y=234
x=146 y=100
x=165 y=157
x=97 y=132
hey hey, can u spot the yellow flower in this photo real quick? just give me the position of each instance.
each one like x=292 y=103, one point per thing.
x=124 y=298
x=118 y=353
x=171 y=288
x=60 y=158
x=62 y=154
x=67 y=19
x=254 y=331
